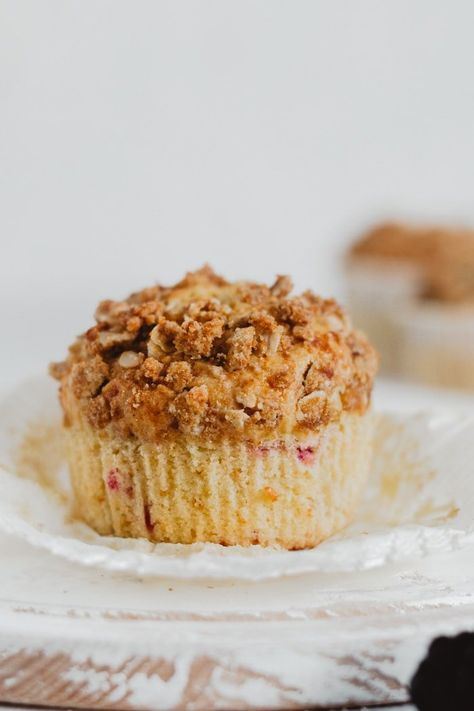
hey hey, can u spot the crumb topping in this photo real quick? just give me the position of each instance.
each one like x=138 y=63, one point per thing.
x=443 y=257
x=207 y=357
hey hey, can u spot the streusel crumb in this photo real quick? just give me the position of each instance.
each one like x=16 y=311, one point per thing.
x=209 y=357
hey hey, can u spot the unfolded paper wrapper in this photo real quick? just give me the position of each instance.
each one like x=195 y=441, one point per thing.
x=419 y=501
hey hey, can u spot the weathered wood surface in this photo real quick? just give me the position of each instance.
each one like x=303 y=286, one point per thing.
x=73 y=637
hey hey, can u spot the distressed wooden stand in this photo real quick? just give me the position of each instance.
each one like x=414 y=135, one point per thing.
x=72 y=636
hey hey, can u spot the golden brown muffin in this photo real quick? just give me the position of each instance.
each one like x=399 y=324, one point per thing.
x=400 y=277
x=441 y=257
x=222 y=412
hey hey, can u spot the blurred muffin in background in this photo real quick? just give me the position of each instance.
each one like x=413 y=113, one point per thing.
x=383 y=270
x=411 y=288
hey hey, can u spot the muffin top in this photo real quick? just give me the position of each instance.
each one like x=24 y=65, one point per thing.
x=443 y=257
x=395 y=241
x=207 y=357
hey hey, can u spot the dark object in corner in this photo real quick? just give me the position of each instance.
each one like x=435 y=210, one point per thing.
x=444 y=681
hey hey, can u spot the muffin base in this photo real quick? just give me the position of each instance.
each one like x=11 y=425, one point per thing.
x=437 y=345
x=287 y=492
x=376 y=293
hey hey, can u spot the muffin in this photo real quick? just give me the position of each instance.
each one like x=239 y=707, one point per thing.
x=411 y=288
x=218 y=412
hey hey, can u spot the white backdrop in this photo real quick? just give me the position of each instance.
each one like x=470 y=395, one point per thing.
x=141 y=138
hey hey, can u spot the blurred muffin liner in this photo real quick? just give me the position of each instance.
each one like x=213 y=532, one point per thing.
x=436 y=344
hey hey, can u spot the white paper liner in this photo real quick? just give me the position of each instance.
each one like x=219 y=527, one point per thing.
x=419 y=501
x=437 y=344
